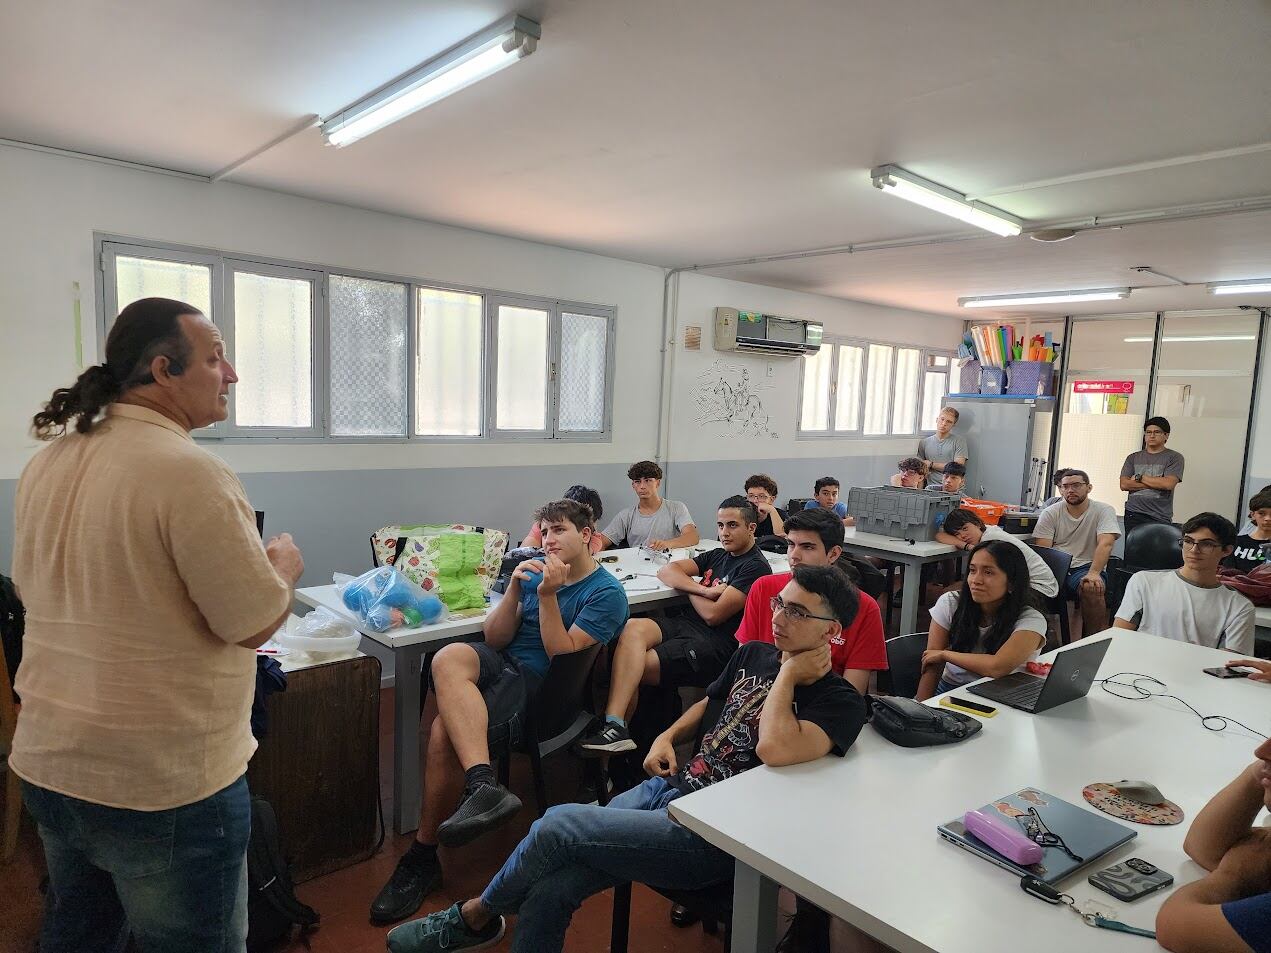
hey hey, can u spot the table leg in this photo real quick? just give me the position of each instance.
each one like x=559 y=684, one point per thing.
x=408 y=661
x=909 y=598
x=754 y=911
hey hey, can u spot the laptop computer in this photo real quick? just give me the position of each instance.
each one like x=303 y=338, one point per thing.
x=1071 y=675
x=1087 y=835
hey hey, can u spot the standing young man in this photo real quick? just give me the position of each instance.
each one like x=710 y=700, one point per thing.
x=943 y=446
x=825 y=494
x=1149 y=477
x=563 y=603
x=693 y=647
x=653 y=521
x=1191 y=604
x=1086 y=530
x=761 y=490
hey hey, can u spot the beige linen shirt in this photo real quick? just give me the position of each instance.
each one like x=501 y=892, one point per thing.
x=137 y=557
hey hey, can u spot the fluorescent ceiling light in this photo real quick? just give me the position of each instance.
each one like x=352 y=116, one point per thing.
x=475 y=58
x=1238 y=287
x=1194 y=338
x=1045 y=297
x=894 y=180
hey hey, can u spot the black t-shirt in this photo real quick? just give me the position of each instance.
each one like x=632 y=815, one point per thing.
x=1248 y=554
x=765 y=525
x=718 y=567
x=728 y=748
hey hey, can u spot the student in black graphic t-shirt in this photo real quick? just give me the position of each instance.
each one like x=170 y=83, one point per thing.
x=693 y=647
x=761 y=490
x=1249 y=552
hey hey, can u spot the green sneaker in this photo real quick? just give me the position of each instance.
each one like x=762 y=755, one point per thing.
x=444 y=931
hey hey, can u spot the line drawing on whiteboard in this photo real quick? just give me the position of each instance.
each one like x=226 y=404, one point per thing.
x=730 y=403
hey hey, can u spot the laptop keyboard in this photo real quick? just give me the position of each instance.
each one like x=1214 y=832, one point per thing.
x=1024 y=693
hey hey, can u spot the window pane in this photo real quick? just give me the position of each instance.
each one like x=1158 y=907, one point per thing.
x=368 y=357
x=847 y=408
x=137 y=278
x=520 y=393
x=273 y=333
x=935 y=385
x=815 y=414
x=905 y=398
x=448 y=363
x=583 y=339
x=877 y=379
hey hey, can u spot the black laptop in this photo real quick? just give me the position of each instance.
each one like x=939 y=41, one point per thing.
x=1071 y=675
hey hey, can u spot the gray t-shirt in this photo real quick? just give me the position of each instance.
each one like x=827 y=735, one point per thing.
x=666 y=522
x=942 y=451
x=1157 y=505
x=1077 y=536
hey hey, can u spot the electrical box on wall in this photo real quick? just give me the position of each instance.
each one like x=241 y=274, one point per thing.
x=751 y=331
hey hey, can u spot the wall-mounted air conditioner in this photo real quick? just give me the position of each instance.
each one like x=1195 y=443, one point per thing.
x=765 y=333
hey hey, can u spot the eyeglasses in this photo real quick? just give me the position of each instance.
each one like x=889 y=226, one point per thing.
x=1204 y=545
x=758 y=497
x=1072 y=486
x=1154 y=433
x=796 y=611
x=1035 y=829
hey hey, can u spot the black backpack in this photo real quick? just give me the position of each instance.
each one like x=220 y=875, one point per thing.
x=272 y=907
x=12 y=626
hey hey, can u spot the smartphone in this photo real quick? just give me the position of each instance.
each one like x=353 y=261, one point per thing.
x=1133 y=879
x=1222 y=671
x=968 y=706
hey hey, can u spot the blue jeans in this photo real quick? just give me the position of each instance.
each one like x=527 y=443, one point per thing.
x=576 y=850
x=176 y=879
x=1072 y=585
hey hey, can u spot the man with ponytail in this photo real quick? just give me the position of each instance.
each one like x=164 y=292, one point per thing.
x=146 y=588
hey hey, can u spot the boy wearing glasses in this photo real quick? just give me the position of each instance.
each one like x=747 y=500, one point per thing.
x=761 y=490
x=1149 y=477
x=1191 y=604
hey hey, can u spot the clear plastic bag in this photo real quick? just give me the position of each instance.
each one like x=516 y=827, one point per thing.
x=383 y=599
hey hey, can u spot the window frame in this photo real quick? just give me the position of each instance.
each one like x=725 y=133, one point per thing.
x=924 y=368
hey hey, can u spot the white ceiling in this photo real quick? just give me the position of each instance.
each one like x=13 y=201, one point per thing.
x=677 y=133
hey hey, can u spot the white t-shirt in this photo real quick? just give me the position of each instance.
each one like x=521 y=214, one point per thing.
x=666 y=522
x=1030 y=620
x=1039 y=575
x=1079 y=537
x=1219 y=618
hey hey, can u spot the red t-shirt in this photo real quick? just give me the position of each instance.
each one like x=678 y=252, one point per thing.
x=859 y=646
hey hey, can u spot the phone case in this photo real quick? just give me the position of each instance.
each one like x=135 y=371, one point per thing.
x=953 y=703
x=1133 y=879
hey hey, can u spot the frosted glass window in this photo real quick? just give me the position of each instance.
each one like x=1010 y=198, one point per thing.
x=935 y=385
x=815 y=414
x=448 y=343
x=369 y=322
x=520 y=393
x=877 y=388
x=137 y=278
x=847 y=405
x=583 y=341
x=273 y=335
x=905 y=398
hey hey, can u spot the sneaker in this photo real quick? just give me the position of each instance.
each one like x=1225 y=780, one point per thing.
x=405 y=890
x=610 y=739
x=482 y=809
x=443 y=931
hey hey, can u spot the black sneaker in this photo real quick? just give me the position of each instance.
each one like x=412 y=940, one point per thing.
x=610 y=739
x=405 y=891
x=443 y=931
x=482 y=809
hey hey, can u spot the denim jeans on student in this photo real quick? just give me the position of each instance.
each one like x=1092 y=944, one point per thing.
x=176 y=879
x=576 y=850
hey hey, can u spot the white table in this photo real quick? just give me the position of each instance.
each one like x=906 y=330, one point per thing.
x=857 y=835
x=413 y=647
x=913 y=556
x=1262 y=629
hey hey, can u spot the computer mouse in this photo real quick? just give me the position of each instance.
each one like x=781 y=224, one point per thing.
x=1145 y=792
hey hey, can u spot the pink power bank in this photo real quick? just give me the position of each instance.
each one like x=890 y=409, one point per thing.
x=1007 y=841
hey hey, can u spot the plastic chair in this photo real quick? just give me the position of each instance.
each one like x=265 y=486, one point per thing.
x=1154 y=546
x=904 y=664
x=1060 y=563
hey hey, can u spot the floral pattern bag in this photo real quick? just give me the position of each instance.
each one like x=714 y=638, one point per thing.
x=457 y=562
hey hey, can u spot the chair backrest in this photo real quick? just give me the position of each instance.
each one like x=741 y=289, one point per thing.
x=904 y=663
x=1154 y=546
x=565 y=692
x=796 y=504
x=1058 y=561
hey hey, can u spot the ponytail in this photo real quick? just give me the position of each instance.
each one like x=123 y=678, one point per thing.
x=83 y=400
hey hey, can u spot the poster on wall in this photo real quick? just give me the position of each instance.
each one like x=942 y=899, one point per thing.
x=730 y=402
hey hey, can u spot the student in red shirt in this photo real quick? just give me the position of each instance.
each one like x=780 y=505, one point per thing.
x=815 y=538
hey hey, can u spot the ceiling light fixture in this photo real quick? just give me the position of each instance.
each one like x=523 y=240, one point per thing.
x=1044 y=297
x=1193 y=338
x=903 y=184
x=1239 y=287
x=477 y=57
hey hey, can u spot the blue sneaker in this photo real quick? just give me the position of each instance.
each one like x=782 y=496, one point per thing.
x=441 y=931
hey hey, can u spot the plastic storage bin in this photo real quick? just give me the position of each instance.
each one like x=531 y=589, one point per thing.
x=900 y=512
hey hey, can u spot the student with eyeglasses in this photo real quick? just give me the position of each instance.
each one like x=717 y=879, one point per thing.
x=1149 y=476
x=1191 y=604
x=761 y=490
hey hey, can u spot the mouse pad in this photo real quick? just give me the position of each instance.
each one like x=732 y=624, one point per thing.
x=1107 y=799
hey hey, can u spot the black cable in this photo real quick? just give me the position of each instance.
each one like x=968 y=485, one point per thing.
x=1140 y=693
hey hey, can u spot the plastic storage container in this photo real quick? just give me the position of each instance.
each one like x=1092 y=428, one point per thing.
x=900 y=512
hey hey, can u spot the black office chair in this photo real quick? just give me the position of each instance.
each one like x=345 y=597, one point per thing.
x=904 y=665
x=557 y=717
x=1060 y=563
x=796 y=504
x=1154 y=546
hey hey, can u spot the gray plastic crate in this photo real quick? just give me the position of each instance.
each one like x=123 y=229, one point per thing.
x=900 y=512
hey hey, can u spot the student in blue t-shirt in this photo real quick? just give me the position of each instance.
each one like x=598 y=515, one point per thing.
x=560 y=604
x=826 y=491
x=1230 y=909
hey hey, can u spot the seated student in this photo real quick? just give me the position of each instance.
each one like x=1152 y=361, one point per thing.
x=965 y=530
x=560 y=604
x=653 y=521
x=815 y=538
x=910 y=472
x=988 y=629
x=782 y=705
x=953 y=480
x=1230 y=909
x=1191 y=604
x=761 y=490
x=1249 y=553
x=1057 y=479
x=1250 y=524
x=693 y=647
x=826 y=496
x=1086 y=530
x=582 y=494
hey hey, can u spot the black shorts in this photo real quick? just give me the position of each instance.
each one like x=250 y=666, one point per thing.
x=689 y=656
x=508 y=687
